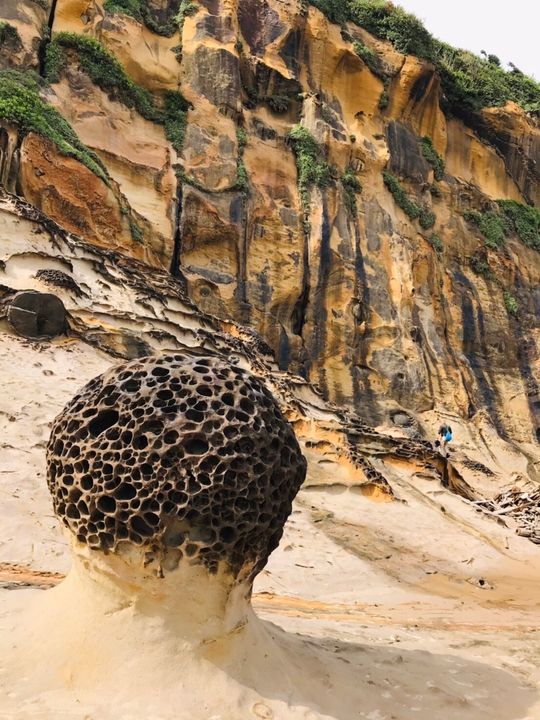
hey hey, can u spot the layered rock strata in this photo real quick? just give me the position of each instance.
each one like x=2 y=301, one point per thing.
x=382 y=312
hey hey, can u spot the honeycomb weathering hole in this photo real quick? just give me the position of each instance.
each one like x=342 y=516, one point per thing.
x=176 y=452
x=103 y=422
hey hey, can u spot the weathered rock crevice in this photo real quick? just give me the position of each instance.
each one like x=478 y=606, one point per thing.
x=46 y=37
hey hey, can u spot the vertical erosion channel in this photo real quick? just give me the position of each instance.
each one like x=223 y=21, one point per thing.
x=177 y=237
x=47 y=33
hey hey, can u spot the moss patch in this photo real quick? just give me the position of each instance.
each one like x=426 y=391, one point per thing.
x=351 y=188
x=107 y=73
x=433 y=158
x=409 y=207
x=313 y=170
x=21 y=104
x=524 y=221
x=436 y=243
x=494 y=227
x=510 y=303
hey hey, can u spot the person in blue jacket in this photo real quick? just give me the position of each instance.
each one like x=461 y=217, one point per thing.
x=445 y=436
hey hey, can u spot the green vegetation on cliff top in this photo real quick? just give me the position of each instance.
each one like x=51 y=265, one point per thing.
x=469 y=82
x=107 y=72
x=21 y=104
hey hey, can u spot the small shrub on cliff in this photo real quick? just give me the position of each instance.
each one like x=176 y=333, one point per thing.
x=384 y=99
x=107 y=73
x=424 y=215
x=371 y=59
x=241 y=137
x=510 y=303
x=426 y=218
x=386 y=20
x=524 y=221
x=480 y=266
x=136 y=232
x=493 y=226
x=410 y=208
x=310 y=163
x=242 y=179
x=139 y=10
x=437 y=243
x=124 y=7
x=21 y=104
x=278 y=103
x=174 y=118
x=433 y=158
x=351 y=187
x=9 y=36
x=187 y=8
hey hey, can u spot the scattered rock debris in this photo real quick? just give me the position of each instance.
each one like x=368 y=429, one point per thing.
x=523 y=507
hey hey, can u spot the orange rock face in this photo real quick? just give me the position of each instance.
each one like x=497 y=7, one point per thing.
x=381 y=313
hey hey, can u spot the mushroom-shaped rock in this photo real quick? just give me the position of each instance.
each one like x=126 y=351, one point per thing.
x=175 y=476
x=36 y=315
x=189 y=457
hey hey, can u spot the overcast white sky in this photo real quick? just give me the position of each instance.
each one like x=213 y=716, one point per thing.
x=507 y=28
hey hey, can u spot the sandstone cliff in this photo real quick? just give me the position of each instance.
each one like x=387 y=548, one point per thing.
x=366 y=246
x=271 y=182
x=311 y=184
x=402 y=593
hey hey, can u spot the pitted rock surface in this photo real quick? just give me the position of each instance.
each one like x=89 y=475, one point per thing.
x=176 y=453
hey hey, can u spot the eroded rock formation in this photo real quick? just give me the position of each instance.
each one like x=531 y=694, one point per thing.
x=135 y=635
x=187 y=456
x=382 y=312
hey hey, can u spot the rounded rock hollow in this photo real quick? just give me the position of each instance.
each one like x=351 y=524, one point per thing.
x=189 y=456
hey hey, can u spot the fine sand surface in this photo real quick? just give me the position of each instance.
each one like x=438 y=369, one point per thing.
x=418 y=608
